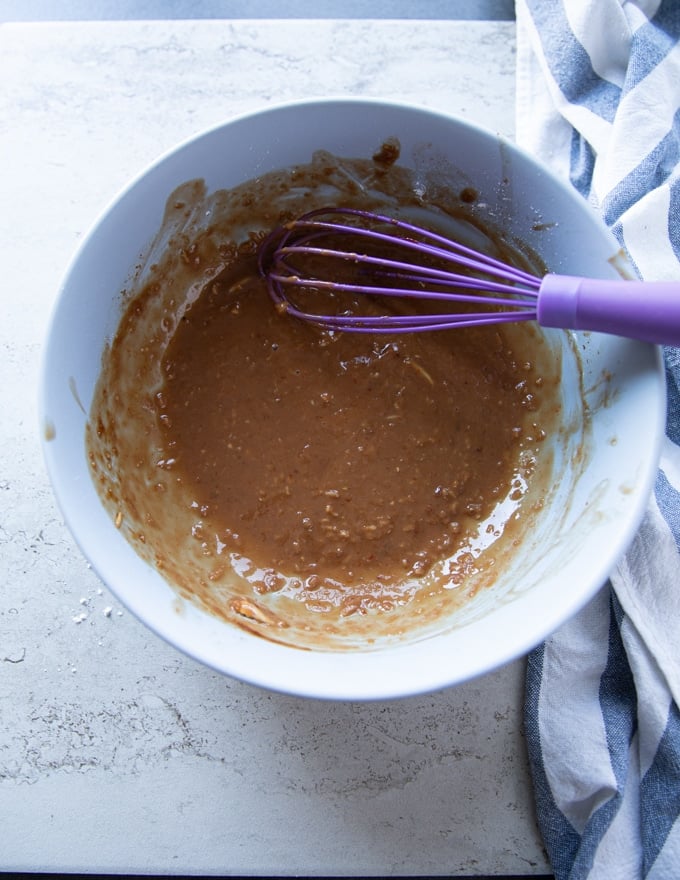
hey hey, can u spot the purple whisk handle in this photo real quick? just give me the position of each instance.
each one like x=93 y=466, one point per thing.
x=644 y=310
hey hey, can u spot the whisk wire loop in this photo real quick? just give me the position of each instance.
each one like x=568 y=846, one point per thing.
x=425 y=241
x=410 y=323
x=313 y=283
x=390 y=268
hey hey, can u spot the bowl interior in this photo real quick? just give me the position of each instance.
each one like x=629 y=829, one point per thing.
x=579 y=537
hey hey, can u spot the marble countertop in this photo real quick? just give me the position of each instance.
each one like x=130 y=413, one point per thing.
x=117 y=754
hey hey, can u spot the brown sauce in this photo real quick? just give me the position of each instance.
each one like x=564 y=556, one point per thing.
x=324 y=490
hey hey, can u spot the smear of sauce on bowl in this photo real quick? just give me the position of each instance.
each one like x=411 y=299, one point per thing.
x=323 y=490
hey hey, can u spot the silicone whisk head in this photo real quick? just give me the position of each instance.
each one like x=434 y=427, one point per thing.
x=347 y=269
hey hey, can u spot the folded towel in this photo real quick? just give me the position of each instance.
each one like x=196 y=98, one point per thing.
x=598 y=99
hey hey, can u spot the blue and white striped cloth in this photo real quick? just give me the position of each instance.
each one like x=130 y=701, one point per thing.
x=598 y=99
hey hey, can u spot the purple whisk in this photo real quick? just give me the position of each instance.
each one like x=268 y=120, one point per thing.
x=337 y=252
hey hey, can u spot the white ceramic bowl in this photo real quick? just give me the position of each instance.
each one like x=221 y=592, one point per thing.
x=586 y=528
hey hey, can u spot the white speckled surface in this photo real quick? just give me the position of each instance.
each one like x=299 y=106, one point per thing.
x=116 y=753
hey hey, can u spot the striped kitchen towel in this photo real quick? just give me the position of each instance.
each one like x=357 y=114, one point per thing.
x=598 y=99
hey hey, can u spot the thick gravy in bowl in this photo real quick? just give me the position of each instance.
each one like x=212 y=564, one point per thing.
x=323 y=490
